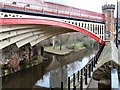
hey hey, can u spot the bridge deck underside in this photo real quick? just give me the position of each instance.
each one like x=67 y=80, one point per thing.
x=23 y=34
x=30 y=30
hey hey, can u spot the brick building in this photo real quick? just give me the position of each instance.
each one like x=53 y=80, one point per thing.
x=108 y=10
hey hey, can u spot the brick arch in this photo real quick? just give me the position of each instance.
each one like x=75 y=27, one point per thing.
x=33 y=21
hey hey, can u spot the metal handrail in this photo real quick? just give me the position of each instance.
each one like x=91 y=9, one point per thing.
x=84 y=73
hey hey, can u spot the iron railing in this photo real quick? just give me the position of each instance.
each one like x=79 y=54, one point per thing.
x=81 y=77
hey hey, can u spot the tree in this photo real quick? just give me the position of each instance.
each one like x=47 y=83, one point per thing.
x=62 y=39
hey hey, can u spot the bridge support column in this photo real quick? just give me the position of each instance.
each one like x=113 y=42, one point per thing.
x=107 y=60
x=26 y=56
x=42 y=51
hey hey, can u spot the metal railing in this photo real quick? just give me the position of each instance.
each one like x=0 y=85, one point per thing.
x=80 y=78
x=53 y=8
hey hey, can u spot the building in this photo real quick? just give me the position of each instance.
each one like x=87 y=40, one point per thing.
x=108 y=10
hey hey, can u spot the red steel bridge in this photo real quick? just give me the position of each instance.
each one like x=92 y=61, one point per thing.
x=32 y=21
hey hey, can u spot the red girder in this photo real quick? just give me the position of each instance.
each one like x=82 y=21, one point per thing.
x=24 y=21
x=52 y=7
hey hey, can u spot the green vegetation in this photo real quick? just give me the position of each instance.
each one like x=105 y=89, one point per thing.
x=66 y=49
x=57 y=51
x=76 y=46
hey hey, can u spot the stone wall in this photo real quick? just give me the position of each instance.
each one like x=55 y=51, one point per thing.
x=107 y=60
x=13 y=59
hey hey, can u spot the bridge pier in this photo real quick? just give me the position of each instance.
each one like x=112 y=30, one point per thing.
x=42 y=51
x=107 y=60
x=14 y=59
x=25 y=55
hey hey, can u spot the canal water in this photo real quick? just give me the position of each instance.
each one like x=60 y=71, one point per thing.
x=50 y=72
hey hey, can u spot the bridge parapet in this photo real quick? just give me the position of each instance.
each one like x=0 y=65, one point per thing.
x=107 y=60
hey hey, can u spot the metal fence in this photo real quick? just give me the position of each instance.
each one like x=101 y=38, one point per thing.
x=80 y=78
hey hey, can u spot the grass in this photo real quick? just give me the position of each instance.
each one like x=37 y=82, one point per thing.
x=65 y=49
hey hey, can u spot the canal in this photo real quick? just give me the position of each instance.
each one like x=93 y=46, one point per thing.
x=50 y=72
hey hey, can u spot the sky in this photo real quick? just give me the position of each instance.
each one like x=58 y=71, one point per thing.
x=92 y=5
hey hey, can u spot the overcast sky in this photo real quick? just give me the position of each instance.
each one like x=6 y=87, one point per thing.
x=93 y=5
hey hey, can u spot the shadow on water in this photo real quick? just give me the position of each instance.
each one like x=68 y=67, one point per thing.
x=26 y=78
x=49 y=73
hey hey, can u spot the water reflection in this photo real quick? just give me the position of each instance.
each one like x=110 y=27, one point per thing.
x=60 y=70
x=44 y=82
x=75 y=66
x=49 y=73
x=26 y=78
x=55 y=76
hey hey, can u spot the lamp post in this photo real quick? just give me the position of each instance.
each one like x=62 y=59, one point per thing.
x=117 y=26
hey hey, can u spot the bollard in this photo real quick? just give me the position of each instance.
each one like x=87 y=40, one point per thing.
x=86 y=77
x=68 y=83
x=89 y=70
x=73 y=79
x=78 y=76
x=81 y=82
x=61 y=85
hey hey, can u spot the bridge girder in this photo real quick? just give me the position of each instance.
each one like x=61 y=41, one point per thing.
x=23 y=30
x=11 y=40
x=34 y=42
